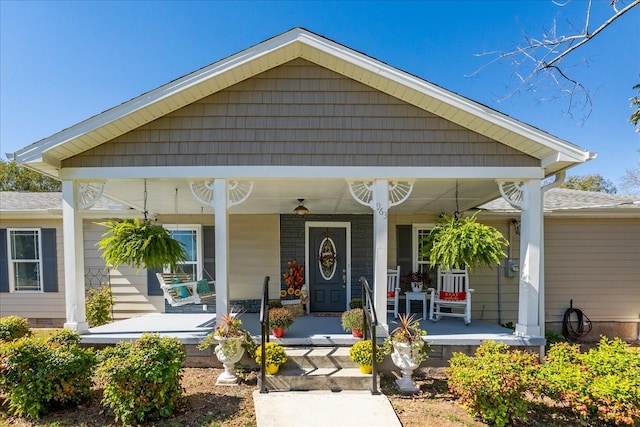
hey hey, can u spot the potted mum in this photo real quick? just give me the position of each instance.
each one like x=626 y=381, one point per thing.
x=408 y=349
x=362 y=353
x=275 y=356
x=232 y=342
x=417 y=280
x=279 y=320
x=353 y=320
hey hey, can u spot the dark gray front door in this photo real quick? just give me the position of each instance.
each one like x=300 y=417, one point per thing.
x=327 y=268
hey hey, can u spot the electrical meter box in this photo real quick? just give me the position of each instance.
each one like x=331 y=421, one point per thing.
x=512 y=269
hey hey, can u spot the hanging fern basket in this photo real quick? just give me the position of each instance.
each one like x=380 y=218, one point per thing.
x=459 y=243
x=139 y=243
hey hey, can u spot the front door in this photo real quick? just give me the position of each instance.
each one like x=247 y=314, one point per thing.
x=328 y=268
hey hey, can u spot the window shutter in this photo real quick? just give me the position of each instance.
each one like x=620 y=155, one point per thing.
x=4 y=261
x=209 y=251
x=49 y=260
x=404 y=248
x=153 y=286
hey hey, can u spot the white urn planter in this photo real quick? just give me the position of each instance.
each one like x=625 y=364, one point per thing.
x=416 y=286
x=229 y=351
x=403 y=357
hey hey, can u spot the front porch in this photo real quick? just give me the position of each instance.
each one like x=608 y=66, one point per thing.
x=446 y=336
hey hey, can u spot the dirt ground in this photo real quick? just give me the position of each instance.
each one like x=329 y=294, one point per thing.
x=206 y=404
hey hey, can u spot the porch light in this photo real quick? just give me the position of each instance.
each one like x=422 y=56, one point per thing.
x=301 y=209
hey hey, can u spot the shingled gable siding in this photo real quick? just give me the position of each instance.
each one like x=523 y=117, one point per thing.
x=302 y=114
x=292 y=230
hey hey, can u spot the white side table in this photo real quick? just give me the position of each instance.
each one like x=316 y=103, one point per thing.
x=416 y=296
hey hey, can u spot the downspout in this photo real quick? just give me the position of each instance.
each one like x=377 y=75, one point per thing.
x=559 y=179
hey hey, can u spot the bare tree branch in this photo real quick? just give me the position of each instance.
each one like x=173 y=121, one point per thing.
x=586 y=36
x=541 y=58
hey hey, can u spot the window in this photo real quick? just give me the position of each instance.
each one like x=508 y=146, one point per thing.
x=25 y=260
x=420 y=261
x=191 y=237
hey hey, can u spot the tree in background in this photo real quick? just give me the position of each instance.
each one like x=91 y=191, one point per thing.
x=631 y=178
x=19 y=178
x=594 y=182
x=635 y=103
x=541 y=64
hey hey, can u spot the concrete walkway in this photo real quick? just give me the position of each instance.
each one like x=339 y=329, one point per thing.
x=320 y=408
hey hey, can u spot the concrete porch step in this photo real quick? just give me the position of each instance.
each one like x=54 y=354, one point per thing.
x=294 y=378
x=320 y=357
x=318 y=368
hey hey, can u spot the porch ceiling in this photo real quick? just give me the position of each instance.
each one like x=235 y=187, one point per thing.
x=322 y=196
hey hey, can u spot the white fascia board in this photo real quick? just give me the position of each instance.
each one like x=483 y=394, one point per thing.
x=559 y=157
x=30 y=214
x=255 y=172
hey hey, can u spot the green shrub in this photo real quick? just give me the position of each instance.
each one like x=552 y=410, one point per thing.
x=275 y=303
x=553 y=337
x=493 y=383
x=99 y=306
x=142 y=379
x=355 y=303
x=41 y=374
x=13 y=327
x=602 y=384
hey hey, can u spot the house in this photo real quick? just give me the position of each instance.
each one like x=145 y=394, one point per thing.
x=226 y=153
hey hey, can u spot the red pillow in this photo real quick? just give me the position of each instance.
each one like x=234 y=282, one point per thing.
x=391 y=294
x=453 y=296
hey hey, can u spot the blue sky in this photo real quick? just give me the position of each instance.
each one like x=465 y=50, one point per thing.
x=62 y=62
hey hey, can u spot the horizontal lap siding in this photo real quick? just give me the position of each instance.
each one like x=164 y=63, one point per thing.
x=254 y=253
x=595 y=263
x=301 y=114
x=49 y=305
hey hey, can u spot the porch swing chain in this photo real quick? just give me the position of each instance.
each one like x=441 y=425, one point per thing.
x=146 y=212
x=456 y=214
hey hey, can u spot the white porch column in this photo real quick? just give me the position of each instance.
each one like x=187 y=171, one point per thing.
x=220 y=204
x=531 y=257
x=73 y=259
x=380 y=206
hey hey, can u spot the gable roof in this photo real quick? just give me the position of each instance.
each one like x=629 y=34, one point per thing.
x=16 y=204
x=46 y=155
x=565 y=200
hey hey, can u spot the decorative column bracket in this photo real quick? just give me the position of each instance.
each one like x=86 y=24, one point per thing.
x=237 y=192
x=512 y=192
x=362 y=192
x=89 y=193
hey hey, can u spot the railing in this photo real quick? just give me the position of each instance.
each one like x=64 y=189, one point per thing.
x=370 y=326
x=96 y=279
x=264 y=333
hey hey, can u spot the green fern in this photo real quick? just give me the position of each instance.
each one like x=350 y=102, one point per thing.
x=464 y=243
x=136 y=243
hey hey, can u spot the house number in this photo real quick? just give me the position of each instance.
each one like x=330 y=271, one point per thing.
x=381 y=211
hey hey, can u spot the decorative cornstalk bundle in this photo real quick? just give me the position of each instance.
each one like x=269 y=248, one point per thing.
x=137 y=243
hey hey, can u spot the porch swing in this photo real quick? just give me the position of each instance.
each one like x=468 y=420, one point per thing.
x=179 y=288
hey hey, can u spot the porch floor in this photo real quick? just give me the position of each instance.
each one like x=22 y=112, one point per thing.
x=306 y=330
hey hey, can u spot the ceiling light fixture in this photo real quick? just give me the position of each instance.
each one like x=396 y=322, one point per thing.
x=301 y=209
